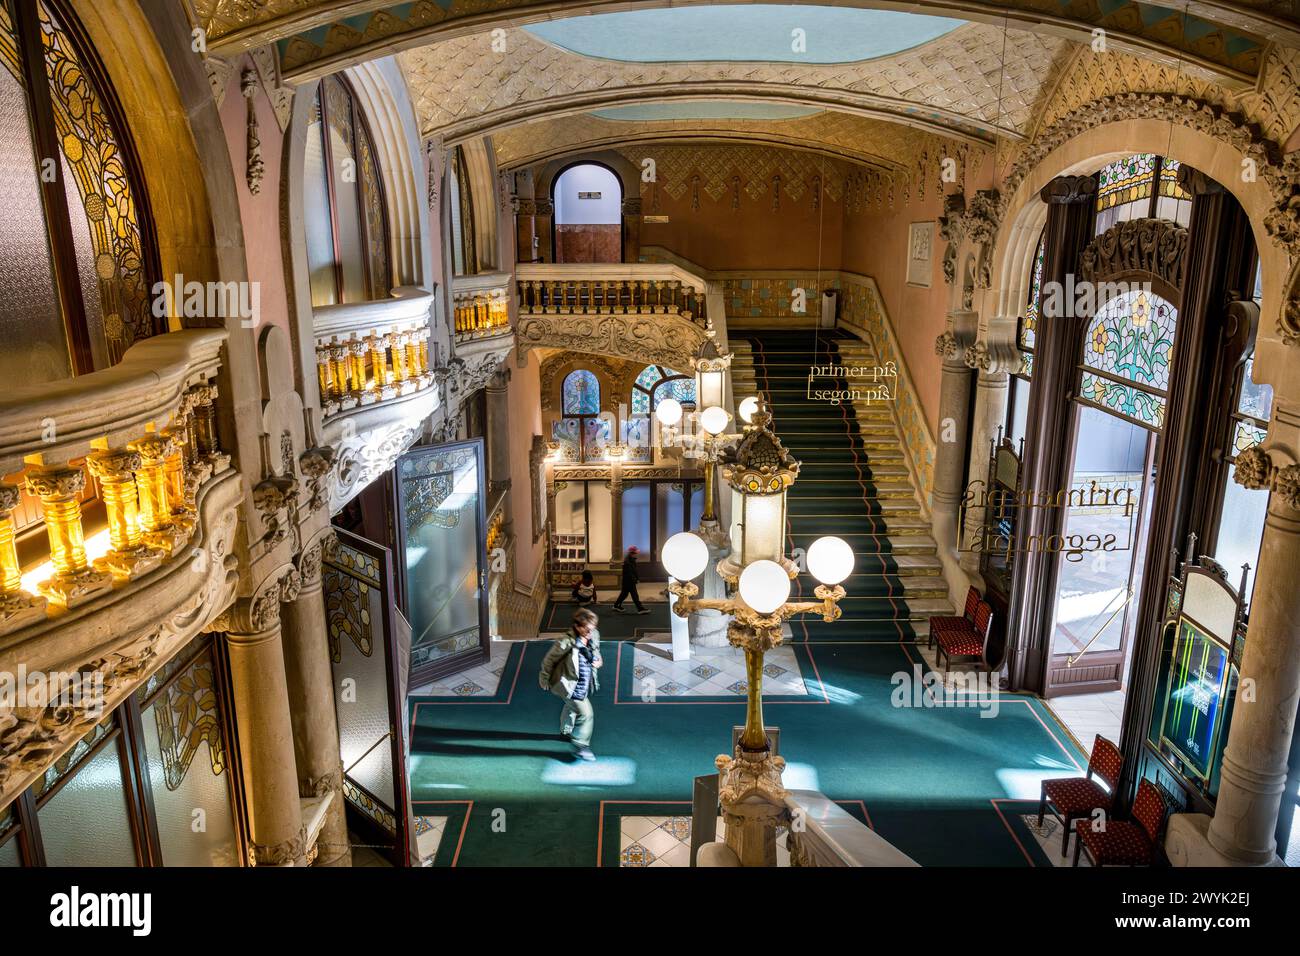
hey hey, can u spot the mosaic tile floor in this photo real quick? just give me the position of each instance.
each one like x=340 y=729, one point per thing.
x=478 y=681
x=666 y=841
x=428 y=837
x=711 y=671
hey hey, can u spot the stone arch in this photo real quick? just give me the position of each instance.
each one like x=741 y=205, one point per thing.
x=629 y=176
x=1097 y=143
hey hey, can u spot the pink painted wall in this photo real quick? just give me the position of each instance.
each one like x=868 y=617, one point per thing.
x=261 y=213
x=875 y=244
x=523 y=394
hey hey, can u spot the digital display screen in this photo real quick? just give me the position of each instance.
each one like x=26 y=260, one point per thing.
x=1194 y=698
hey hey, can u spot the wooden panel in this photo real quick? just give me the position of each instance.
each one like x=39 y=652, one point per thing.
x=589 y=243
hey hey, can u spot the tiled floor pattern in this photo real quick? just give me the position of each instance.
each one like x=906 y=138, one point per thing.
x=711 y=671
x=1087 y=715
x=478 y=681
x=666 y=841
x=428 y=837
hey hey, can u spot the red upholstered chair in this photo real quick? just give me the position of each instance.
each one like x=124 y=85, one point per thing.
x=969 y=641
x=1133 y=842
x=1070 y=798
x=956 y=623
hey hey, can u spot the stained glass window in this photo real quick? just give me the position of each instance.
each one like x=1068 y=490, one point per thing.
x=85 y=318
x=346 y=220
x=655 y=383
x=1125 y=180
x=1169 y=180
x=581 y=392
x=1029 y=322
x=1126 y=356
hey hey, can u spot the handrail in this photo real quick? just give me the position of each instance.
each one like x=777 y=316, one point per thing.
x=368 y=352
x=146 y=429
x=60 y=420
x=828 y=835
x=632 y=288
x=610 y=272
x=406 y=307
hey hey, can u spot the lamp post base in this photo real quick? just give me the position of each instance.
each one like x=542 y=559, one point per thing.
x=753 y=804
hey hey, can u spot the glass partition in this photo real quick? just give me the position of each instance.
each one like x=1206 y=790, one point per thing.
x=442 y=559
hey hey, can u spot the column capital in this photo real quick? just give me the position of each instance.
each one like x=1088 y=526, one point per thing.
x=963 y=325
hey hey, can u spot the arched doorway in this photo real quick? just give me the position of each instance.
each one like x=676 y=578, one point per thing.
x=588 y=202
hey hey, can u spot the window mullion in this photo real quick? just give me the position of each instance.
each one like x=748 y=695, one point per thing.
x=58 y=221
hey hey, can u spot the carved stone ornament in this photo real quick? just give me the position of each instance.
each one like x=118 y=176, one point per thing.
x=650 y=339
x=980 y=223
x=1279 y=172
x=1146 y=245
x=1288 y=323
x=255 y=168
x=32 y=737
x=284 y=853
x=316 y=465
x=946 y=344
x=1256 y=470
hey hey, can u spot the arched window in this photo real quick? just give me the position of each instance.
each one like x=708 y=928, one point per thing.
x=1143 y=185
x=464 y=256
x=76 y=259
x=1027 y=337
x=346 y=221
x=655 y=383
x=581 y=433
x=1126 y=355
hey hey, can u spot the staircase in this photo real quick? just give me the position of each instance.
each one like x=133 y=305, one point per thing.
x=853 y=483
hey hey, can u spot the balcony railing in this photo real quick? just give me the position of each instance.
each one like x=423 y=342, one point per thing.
x=368 y=352
x=481 y=305
x=611 y=289
x=145 y=429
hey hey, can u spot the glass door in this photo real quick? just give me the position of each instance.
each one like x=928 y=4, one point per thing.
x=1101 y=552
x=369 y=699
x=442 y=556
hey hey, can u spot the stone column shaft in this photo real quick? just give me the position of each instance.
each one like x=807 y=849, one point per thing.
x=260 y=698
x=954 y=420
x=310 y=683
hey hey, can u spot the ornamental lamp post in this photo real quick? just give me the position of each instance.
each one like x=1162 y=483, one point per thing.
x=758 y=574
x=710 y=367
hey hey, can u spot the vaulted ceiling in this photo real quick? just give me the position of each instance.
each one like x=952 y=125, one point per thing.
x=1223 y=38
x=878 y=83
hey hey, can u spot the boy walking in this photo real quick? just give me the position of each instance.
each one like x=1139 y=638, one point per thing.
x=569 y=672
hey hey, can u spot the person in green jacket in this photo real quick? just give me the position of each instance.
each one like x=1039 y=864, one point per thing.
x=569 y=671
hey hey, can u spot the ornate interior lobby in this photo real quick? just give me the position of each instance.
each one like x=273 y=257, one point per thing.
x=911 y=391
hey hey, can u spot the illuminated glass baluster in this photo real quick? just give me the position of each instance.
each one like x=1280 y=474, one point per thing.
x=74 y=581
x=17 y=607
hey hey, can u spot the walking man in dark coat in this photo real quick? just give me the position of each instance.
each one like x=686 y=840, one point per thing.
x=629 y=583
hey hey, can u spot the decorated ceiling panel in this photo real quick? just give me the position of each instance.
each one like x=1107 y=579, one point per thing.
x=1225 y=37
x=957 y=83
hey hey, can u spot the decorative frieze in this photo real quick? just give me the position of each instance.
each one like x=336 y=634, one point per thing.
x=1155 y=246
x=1256 y=470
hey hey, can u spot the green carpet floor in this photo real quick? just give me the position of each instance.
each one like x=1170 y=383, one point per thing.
x=944 y=784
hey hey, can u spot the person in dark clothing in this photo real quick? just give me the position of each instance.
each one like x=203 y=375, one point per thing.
x=628 y=583
x=584 y=590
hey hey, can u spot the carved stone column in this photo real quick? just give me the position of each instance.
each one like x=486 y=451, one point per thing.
x=995 y=357
x=954 y=419
x=615 y=486
x=311 y=696
x=260 y=698
x=498 y=430
x=1255 y=761
x=525 y=230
